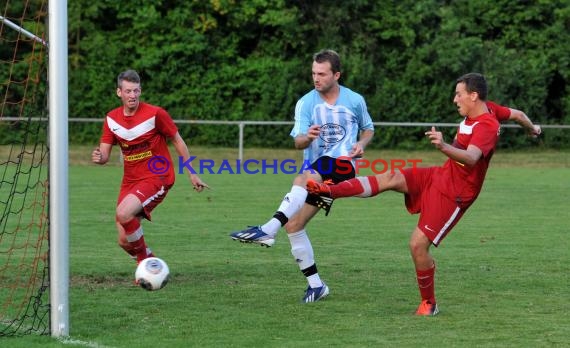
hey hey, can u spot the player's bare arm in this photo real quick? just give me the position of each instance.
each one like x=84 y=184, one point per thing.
x=533 y=130
x=469 y=157
x=304 y=140
x=358 y=147
x=100 y=155
x=182 y=151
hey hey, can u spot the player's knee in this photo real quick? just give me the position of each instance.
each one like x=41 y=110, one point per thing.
x=389 y=179
x=414 y=247
x=122 y=216
x=419 y=247
x=392 y=175
x=300 y=180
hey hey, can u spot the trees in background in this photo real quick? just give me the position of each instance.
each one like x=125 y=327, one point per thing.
x=251 y=60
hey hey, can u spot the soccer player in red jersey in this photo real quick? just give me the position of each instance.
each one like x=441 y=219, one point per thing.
x=441 y=195
x=141 y=130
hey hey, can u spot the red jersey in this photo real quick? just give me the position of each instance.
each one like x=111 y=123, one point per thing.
x=142 y=137
x=461 y=182
x=502 y=113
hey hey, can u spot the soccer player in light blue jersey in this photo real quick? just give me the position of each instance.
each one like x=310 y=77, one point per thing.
x=333 y=127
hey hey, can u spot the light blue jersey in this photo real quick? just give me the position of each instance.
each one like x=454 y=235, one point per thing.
x=340 y=123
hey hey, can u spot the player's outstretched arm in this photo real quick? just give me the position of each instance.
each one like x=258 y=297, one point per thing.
x=182 y=151
x=533 y=130
x=468 y=157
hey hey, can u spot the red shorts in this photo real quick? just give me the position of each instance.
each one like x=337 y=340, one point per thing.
x=151 y=192
x=438 y=213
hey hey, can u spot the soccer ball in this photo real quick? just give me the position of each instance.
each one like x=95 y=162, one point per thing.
x=152 y=274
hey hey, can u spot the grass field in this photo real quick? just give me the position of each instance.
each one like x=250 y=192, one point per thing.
x=502 y=279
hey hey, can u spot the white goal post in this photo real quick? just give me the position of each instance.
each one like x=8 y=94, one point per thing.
x=58 y=163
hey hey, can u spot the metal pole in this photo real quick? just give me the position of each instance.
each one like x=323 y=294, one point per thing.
x=240 y=151
x=22 y=30
x=58 y=164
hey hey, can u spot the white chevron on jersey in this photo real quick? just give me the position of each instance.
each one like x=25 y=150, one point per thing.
x=132 y=133
x=465 y=129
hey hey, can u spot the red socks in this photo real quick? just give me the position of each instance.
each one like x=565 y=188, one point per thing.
x=426 y=284
x=135 y=237
x=363 y=186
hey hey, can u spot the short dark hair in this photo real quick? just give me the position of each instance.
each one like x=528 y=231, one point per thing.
x=330 y=56
x=128 y=75
x=475 y=82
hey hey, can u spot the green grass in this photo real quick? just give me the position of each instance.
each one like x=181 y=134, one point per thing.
x=502 y=278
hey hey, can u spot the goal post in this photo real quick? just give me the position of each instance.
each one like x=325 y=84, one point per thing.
x=34 y=208
x=58 y=164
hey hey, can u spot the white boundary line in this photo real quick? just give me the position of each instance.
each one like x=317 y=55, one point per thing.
x=69 y=340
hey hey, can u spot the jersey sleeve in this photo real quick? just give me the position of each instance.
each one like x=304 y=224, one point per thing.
x=302 y=118
x=165 y=124
x=107 y=137
x=502 y=113
x=485 y=135
x=365 y=121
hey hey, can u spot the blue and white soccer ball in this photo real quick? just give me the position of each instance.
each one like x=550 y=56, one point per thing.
x=152 y=274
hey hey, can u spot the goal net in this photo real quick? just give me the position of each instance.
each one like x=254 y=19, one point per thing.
x=24 y=214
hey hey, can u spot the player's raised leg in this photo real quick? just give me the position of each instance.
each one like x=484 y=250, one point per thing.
x=264 y=235
x=362 y=186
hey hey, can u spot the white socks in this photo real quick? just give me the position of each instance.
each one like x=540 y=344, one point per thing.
x=302 y=251
x=292 y=202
